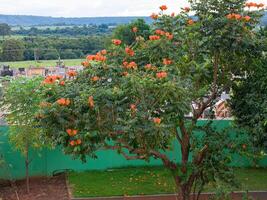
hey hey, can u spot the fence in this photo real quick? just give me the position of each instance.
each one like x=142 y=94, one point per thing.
x=47 y=161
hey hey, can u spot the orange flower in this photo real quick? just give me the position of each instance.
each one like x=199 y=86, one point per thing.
x=133 y=107
x=167 y=61
x=247 y=18
x=244 y=146
x=125 y=64
x=159 y=32
x=148 y=66
x=190 y=22
x=95 y=78
x=116 y=42
x=154 y=37
x=261 y=5
x=163 y=7
x=72 y=132
x=154 y=16
x=129 y=51
x=157 y=120
x=132 y=65
x=91 y=102
x=124 y=73
x=169 y=36
x=234 y=16
x=63 y=102
x=86 y=64
x=62 y=83
x=229 y=16
x=238 y=17
x=103 y=52
x=79 y=141
x=97 y=57
x=72 y=73
x=186 y=9
x=161 y=75
x=135 y=29
x=72 y=143
x=52 y=79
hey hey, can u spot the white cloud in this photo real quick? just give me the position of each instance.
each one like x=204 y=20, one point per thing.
x=86 y=8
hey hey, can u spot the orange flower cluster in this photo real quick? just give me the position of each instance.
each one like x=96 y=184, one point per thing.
x=62 y=83
x=167 y=61
x=154 y=16
x=52 y=79
x=252 y=4
x=129 y=51
x=95 y=78
x=163 y=33
x=186 y=9
x=63 y=102
x=157 y=120
x=72 y=73
x=116 y=42
x=234 y=16
x=154 y=37
x=163 y=7
x=135 y=29
x=86 y=64
x=91 y=102
x=71 y=132
x=98 y=57
x=75 y=142
x=160 y=32
x=150 y=67
x=161 y=75
x=133 y=107
x=130 y=65
x=124 y=73
x=190 y=22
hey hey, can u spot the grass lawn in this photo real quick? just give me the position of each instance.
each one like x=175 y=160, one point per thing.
x=140 y=181
x=41 y=63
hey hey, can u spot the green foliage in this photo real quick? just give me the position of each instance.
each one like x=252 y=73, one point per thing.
x=21 y=100
x=12 y=50
x=249 y=104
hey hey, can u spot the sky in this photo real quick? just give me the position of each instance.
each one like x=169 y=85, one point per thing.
x=87 y=8
x=90 y=8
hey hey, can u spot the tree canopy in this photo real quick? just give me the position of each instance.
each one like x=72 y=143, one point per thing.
x=135 y=98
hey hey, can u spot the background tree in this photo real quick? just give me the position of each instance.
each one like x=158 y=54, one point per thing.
x=138 y=95
x=12 y=50
x=4 y=30
x=126 y=34
x=249 y=100
x=22 y=99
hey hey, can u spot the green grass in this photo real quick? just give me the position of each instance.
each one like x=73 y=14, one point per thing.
x=41 y=63
x=142 y=181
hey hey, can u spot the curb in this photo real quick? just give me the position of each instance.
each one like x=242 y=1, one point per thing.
x=259 y=195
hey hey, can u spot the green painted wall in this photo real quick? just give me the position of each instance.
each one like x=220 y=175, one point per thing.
x=47 y=162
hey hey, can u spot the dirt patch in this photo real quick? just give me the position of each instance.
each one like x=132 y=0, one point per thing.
x=41 y=189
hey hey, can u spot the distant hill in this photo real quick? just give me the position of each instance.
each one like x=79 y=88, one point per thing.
x=27 y=20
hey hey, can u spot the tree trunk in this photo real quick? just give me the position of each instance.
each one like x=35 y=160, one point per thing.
x=27 y=162
x=183 y=190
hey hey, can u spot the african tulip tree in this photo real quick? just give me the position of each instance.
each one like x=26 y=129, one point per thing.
x=134 y=99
